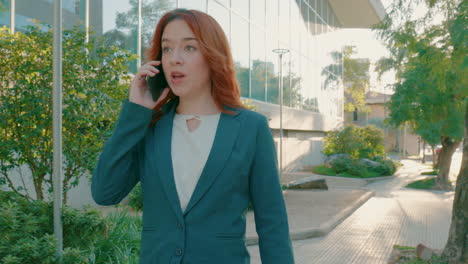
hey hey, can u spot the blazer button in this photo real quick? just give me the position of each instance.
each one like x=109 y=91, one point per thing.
x=180 y=226
x=178 y=251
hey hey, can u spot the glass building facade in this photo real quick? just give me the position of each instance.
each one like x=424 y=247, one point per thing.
x=309 y=29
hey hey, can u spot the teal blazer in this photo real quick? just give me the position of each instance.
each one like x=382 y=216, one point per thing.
x=241 y=167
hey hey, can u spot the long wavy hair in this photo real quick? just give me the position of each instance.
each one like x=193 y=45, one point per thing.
x=214 y=47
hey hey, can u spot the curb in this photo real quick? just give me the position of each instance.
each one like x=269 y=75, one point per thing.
x=381 y=178
x=324 y=228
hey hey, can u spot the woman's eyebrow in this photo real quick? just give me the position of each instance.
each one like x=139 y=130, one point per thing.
x=184 y=39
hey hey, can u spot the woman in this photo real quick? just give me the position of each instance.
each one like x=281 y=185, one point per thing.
x=200 y=155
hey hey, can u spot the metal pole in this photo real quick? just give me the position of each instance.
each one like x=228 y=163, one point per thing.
x=281 y=114
x=139 y=35
x=280 y=52
x=57 y=126
x=87 y=20
x=12 y=16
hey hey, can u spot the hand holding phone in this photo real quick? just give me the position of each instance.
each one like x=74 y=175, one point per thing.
x=149 y=93
x=157 y=83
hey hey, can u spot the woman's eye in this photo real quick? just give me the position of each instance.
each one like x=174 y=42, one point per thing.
x=164 y=49
x=190 y=47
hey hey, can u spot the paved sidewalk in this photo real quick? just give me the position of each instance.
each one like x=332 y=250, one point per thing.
x=396 y=215
x=313 y=213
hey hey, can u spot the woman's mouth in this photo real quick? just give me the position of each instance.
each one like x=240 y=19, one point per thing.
x=177 y=78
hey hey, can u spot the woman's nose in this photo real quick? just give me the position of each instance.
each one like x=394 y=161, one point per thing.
x=176 y=58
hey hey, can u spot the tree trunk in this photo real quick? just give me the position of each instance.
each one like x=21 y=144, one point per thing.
x=448 y=148
x=456 y=249
x=424 y=152
x=434 y=164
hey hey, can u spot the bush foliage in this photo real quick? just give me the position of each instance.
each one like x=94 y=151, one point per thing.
x=27 y=232
x=94 y=83
x=358 y=142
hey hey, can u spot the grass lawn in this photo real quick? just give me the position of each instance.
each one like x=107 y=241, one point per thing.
x=409 y=256
x=323 y=170
x=433 y=172
x=425 y=184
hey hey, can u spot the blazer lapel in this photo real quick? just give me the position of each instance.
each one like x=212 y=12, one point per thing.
x=164 y=160
x=225 y=137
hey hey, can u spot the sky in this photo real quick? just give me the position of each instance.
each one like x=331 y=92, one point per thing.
x=369 y=46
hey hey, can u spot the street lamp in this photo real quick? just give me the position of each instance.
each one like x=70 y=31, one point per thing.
x=281 y=52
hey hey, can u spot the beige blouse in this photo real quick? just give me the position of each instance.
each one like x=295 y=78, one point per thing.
x=190 y=150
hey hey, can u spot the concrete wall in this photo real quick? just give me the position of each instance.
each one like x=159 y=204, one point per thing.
x=77 y=197
x=303 y=133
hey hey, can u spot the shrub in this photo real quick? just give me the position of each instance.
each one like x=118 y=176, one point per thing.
x=26 y=229
x=390 y=165
x=381 y=170
x=136 y=198
x=358 y=142
x=357 y=169
x=342 y=164
x=345 y=166
x=95 y=81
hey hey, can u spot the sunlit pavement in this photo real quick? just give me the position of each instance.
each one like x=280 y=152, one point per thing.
x=396 y=215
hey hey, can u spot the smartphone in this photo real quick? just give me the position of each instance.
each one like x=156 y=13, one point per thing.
x=157 y=83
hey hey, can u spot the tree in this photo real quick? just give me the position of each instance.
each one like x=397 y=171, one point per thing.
x=429 y=89
x=94 y=84
x=432 y=76
x=355 y=77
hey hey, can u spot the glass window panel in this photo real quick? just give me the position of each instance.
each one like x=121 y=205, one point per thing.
x=240 y=52
x=119 y=26
x=257 y=12
x=241 y=7
x=257 y=49
x=272 y=69
x=74 y=13
x=272 y=17
x=285 y=75
x=284 y=22
x=295 y=80
x=223 y=2
x=308 y=90
x=325 y=12
x=5 y=13
x=70 y=5
x=313 y=22
x=27 y=10
x=221 y=14
x=296 y=20
x=151 y=13
x=193 y=4
x=303 y=29
x=319 y=8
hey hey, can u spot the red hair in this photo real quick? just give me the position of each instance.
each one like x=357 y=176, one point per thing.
x=214 y=47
